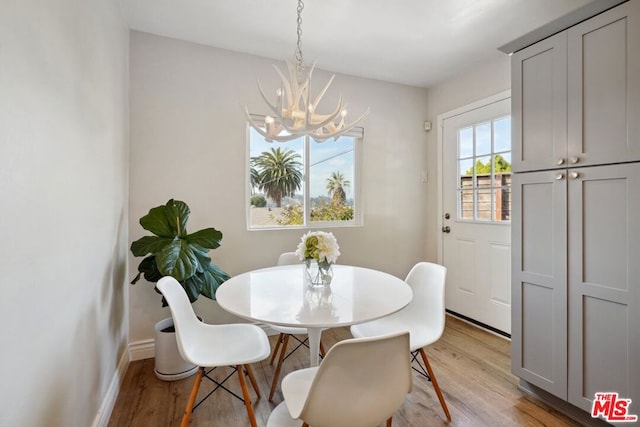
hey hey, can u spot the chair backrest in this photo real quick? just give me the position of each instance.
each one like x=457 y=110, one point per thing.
x=288 y=258
x=361 y=382
x=184 y=318
x=427 y=281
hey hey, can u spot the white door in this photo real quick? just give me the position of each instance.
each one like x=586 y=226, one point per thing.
x=476 y=217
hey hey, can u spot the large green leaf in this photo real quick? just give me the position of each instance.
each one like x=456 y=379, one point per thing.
x=201 y=255
x=149 y=245
x=149 y=268
x=167 y=220
x=177 y=213
x=207 y=238
x=212 y=277
x=193 y=287
x=177 y=260
x=156 y=221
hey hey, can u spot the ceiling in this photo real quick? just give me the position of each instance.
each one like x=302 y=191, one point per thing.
x=413 y=42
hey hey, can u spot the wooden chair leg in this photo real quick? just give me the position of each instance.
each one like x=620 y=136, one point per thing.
x=252 y=378
x=247 y=398
x=276 y=374
x=434 y=381
x=275 y=350
x=389 y=421
x=322 y=352
x=305 y=424
x=192 y=398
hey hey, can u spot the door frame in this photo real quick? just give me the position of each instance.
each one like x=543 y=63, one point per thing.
x=440 y=152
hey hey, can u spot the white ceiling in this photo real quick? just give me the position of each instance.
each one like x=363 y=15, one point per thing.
x=414 y=42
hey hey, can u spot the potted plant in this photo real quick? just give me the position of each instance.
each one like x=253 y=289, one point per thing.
x=172 y=251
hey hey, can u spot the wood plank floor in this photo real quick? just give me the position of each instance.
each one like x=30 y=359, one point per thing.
x=472 y=367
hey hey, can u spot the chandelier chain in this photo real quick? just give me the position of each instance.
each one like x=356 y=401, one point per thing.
x=299 y=60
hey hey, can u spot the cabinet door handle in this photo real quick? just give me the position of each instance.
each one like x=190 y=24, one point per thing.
x=559 y=176
x=574 y=160
x=560 y=161
x=574 y=175
x=446 y=229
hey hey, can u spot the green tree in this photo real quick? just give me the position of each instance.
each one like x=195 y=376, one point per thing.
x=292 y=215
x=254 y=176
x=501 y=165
x=279 y=173
x=336 y=186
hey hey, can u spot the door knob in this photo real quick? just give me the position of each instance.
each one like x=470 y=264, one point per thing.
x=446 y=229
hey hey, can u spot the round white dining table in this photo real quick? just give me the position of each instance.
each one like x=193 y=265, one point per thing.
x=280 y=296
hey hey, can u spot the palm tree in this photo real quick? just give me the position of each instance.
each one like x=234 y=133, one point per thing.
x=254 y=176
x=336 y=186
x=279 y=173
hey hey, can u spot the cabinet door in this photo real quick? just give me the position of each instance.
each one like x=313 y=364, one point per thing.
x=604 y=87
x=539 y=280
x=604 y=283
x=539 y=105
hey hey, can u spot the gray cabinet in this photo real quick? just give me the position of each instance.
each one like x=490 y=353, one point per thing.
x=539 y=105
x=576 y=209
x=576 y=279
x=539 y=279
x=576 y=94
x=604 y=282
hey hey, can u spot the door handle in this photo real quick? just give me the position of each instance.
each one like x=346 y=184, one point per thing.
x=446 y=229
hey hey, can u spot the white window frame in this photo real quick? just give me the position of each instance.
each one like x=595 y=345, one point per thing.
x=356 y=187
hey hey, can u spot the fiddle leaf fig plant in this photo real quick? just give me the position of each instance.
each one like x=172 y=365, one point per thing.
x=172 y=251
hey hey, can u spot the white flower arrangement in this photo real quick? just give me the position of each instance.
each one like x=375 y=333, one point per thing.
x=320 y=246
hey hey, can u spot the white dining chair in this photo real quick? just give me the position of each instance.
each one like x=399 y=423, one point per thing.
x=423 y=317
x=361 y=382
x=212 y=346
x=285 y=333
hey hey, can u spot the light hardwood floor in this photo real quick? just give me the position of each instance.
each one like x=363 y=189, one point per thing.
x=472 y=367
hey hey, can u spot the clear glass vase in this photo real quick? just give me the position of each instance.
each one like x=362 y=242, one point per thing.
x=318 y=274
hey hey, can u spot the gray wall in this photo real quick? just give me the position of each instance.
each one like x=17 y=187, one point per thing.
x=63 y=199
x=188 y=141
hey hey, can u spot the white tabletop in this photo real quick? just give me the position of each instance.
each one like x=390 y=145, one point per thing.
x=279 y=295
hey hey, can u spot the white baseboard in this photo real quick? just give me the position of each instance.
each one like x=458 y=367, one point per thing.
x=143 y=349
x=104 y=413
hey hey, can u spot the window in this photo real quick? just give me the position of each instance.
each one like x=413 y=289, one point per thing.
x=303 y=183
x=484 y=171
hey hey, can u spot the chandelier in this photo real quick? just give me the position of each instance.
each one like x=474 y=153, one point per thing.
x=293 y=112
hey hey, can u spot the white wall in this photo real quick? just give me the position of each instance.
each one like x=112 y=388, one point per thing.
x=188 y=142
x=465 y=88
x=63 y=208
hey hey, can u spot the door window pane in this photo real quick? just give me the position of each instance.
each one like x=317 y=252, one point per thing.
x=484 y=171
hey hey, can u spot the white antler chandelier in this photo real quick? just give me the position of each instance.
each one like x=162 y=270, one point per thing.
x=294 y=113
